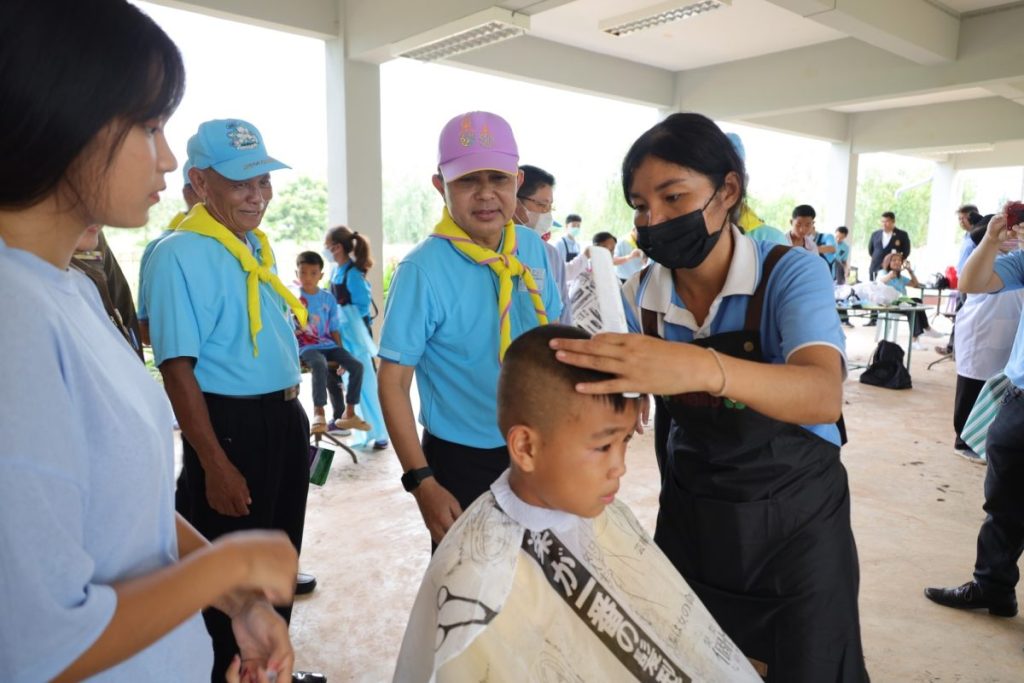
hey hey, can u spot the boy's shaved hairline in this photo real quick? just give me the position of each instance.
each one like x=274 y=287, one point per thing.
x=534 y=385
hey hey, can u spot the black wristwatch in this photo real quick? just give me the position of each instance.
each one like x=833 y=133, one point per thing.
x=413 y=478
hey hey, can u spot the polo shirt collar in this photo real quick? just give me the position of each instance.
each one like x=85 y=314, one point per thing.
x=744 y=271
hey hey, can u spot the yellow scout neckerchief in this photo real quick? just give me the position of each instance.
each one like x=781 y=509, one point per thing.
x=505 y=265
x=201 y=222
x=176 y=220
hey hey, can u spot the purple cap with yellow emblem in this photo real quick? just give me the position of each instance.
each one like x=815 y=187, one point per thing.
x=476 y=141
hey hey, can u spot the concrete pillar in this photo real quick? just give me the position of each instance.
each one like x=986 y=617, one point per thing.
x=841 y=190
x=354 y=175
x=942 y=227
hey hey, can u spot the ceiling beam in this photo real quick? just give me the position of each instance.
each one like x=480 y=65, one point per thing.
x=549 y=63
x=849 y=71
x=1005 y=154
x=820 y=124
x=313 y=18
x=912 y=29
x=949 y=125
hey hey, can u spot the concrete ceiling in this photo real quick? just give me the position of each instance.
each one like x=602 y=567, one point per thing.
x=747 y=28
x=965 y=6
x=875 y=74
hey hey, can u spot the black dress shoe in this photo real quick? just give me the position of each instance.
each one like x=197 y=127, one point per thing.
x=970 y=596
x=304 y=583
x=308 y=677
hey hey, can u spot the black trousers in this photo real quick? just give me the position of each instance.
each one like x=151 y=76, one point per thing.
x=1001 y=538
x=465 y=471
x=267 y=439
x=967 y=391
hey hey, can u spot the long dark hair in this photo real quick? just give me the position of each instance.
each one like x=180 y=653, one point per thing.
x=67 y=70
x=353 y=243
x=693 y=141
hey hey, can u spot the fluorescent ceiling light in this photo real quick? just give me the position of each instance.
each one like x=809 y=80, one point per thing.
x=665 y=13
x=958 y=149
x=469 y=33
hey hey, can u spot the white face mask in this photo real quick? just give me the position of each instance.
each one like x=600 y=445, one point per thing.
x=574 y=231
x=541 y=222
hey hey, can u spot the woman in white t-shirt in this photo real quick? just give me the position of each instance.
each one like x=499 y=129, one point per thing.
x=102 y=579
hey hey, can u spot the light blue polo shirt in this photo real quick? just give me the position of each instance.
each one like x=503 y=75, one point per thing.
x=1010 y=269
x=358 y=288
x=899 y=284
x=625 y=247
x=141 y=313
x=823 y=239
x=799 y=309
x=967 y=248
x=442 y=318
x=195 y=292
x=842 y=251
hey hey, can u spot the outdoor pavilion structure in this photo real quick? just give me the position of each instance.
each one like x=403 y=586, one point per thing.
x=942 y=80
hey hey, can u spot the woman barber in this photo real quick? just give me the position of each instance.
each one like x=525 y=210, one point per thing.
x=741 y=343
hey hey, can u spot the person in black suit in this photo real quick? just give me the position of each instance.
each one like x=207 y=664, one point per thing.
x=884 y=241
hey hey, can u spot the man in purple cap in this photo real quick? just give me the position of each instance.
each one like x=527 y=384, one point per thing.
x=225 y=346
x=455 y=303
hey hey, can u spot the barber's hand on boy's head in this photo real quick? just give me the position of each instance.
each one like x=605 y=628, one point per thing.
x=640 y=364
x=438 y=507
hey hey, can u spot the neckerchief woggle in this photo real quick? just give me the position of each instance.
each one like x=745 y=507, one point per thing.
x=202 y=223
x=505 y=265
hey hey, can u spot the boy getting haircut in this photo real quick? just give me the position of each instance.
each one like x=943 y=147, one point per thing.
x=534 y=387
x=546 y=576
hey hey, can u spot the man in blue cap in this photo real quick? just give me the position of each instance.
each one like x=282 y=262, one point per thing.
x=225 y=345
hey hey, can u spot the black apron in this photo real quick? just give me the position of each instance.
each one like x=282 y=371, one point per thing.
x=755 y=514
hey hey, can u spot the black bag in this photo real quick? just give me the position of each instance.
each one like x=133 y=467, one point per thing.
x=886 y=368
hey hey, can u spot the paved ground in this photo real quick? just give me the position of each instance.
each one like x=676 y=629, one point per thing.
x=916 y=511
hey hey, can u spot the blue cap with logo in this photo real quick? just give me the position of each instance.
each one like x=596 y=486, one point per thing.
x=232 y=147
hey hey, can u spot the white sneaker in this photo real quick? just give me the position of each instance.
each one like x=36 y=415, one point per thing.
x=932 y=333
x=918 y=346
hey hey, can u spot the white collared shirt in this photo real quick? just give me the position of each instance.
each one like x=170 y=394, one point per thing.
x=563 y=524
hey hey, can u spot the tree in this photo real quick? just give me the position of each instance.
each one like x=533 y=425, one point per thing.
x=775 y=212
x=411 y=210
x=608 y=210
x=877 y=193
x=299 y=211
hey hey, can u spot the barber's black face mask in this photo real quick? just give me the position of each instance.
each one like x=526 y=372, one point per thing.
x=682 y=242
